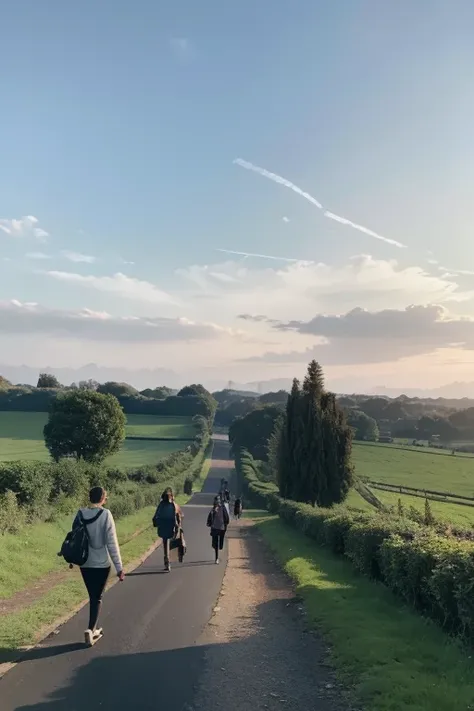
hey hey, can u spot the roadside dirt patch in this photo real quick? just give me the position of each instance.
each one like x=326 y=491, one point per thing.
x=259 y=653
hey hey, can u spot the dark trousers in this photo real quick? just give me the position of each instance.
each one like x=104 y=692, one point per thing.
x=217 y=540
x=95 y=580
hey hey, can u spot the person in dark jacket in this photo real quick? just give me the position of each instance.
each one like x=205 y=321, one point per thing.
x=238 y=507
x=166 y=521
x=217 y=521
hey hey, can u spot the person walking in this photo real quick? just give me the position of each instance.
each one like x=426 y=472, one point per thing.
x=103 y=550
x=238 y=507
x=166 y=521
x=217 y=521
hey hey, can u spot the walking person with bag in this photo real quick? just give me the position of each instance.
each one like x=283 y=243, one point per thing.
x=92 y=544
x=217 y=521
x=166 y=520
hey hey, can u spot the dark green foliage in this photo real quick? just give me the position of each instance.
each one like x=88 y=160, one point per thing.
x=48 y=380
x=314 y=454
x=364 y=427
x=188 y=486
x=204 y=397
x=431 y=572
x=253 y=431
x=117 y=389
x=85 y=425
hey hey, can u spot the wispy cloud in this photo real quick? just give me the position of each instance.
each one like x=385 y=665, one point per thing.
x=288 y=184
x=24 y=227
x=119 y=284
x=285 y=219
x=77 y=257
x=456 y=272
x=37 y=255
x=263 y=256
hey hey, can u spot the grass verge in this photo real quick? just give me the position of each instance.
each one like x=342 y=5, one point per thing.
x=390 y=656
x=22 y=628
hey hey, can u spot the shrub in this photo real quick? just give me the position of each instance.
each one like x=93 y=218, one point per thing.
x=188 y=486
x=12 y=516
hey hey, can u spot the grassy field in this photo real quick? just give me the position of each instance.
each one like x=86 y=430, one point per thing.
x=390 y=657
x=21 y=437
x=441 y=472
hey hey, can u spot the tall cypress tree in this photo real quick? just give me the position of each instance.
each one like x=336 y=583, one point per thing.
x=314 y=456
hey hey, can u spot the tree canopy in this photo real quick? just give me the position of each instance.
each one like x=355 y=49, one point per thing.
x=48 y=380
x=85 y=425
x=117 y=389
x=365 y=427
x=253 y=431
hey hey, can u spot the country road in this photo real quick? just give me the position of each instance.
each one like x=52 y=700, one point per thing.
x=148 y=657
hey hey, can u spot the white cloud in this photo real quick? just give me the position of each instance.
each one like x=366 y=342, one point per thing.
x=37 y=255
x=23 y=227
x=288 y=184
x=297 y=290
x=119 y=284
x=285 y=219
x=17 y=318
x=77 y=257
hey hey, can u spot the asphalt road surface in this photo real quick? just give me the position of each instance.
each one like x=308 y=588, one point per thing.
x=148 y=657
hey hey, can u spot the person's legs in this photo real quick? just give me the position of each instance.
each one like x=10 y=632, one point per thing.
x=166 y=552
x=221 y=540
x=95 y=580
x=215 y=544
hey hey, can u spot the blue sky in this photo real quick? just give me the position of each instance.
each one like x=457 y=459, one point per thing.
x=120 y=126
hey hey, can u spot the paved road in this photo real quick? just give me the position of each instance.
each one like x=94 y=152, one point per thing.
x=148 y=657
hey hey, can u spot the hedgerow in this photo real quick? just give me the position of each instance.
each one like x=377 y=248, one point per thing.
x=431 y=572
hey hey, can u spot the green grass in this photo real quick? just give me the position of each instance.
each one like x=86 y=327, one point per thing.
x=21 y=568
x=418 y=469
x=389 y=656
x=21 y=437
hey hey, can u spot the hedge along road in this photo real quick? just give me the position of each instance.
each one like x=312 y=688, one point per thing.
x=148 y=657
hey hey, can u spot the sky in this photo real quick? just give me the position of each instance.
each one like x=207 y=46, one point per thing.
x=228 y=190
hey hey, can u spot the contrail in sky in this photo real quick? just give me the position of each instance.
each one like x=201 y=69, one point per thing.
x=288 y=184
x=277 y=179
x=264 y=256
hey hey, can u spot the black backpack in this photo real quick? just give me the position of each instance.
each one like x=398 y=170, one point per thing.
x=75 y=549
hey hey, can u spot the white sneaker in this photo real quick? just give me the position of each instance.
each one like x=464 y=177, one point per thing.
x=89 y=638
x=217 y=561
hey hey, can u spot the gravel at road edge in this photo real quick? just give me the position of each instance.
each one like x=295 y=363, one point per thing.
x=259 y=654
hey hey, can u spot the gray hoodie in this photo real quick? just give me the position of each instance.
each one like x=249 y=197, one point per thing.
x=103 y=543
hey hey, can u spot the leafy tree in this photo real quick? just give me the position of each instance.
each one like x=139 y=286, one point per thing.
x=4 y=383
x=365 y=427
x=315 y=447
x=159 y=393
x=200 y=392
x=88 y=384
x=374 y=407
x=84 y=424
x=253 y=431
x=48 y=380
x=117 y=389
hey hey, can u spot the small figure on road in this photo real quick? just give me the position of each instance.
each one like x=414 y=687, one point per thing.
x=217 y=521
x=103 y=546
x=166 y=520
x=238 y=507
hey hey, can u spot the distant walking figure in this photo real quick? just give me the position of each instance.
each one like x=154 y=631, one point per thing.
x=103 y=546
x=167 y=522
x=217 y=521
x=238 y=507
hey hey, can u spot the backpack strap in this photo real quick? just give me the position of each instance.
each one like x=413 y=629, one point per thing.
x=87 y=521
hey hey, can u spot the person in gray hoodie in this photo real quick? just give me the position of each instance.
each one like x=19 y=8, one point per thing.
x=217 y=521
x=103 y=550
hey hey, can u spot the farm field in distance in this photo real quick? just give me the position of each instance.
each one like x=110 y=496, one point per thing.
x=21 y=437
x=420 y=468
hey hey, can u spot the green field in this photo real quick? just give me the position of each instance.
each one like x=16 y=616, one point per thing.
x=417 y=468
x=424 y=470
x=21 y=437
